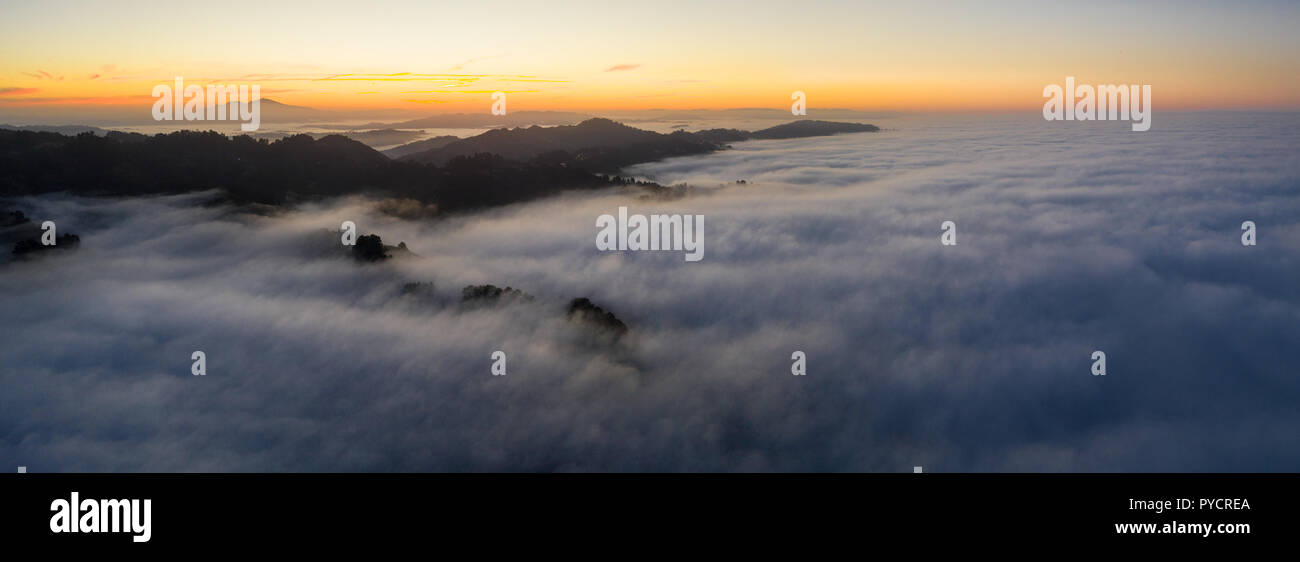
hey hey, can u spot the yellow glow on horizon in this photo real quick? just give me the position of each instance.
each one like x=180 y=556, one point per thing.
x=577 y=56
x=897 y=94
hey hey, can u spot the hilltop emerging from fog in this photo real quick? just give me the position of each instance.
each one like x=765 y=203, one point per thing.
x=603 y=145
x=498 y=167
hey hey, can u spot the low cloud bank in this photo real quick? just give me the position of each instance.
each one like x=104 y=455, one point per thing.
x=969 y=357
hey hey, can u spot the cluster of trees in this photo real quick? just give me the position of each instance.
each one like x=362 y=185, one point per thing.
x=32 y=245
x=12 y=218
x=580 y=309
x=370 y=248
x=491 y=294
x=585 y=310
x=25 y=236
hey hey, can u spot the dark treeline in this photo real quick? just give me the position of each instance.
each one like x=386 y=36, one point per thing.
x=257 y=171
x=499 y=167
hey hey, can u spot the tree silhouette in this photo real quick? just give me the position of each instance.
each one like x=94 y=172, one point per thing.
x=369 y=248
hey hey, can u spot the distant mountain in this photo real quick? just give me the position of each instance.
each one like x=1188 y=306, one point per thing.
x=596 y=144
x=750 y=113
x=338 y=148
x=274 y=112
x=605 y=146
x=475 y=121
x=62 y=129
x=275 y=105
x=811 y=128
x=381 y=137
x=420 y=146
x=373 y=139
x=270 y=112
x=480 y=120
x=724 y=136
x=499 y=167
x=791 y=130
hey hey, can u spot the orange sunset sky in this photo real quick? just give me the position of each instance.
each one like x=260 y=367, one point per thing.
x=431 y=57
